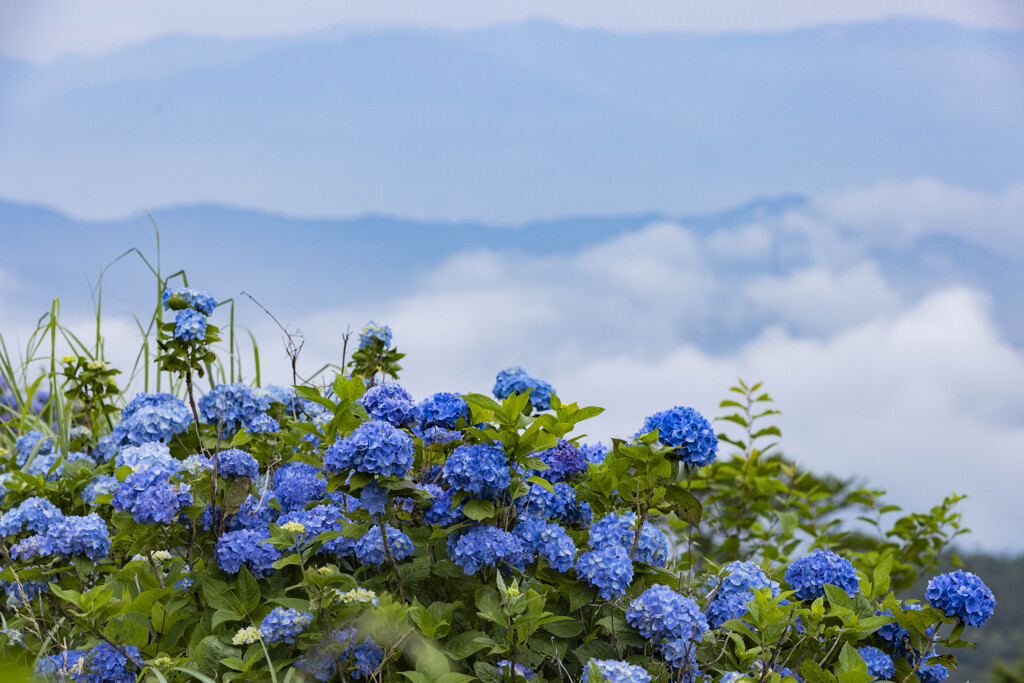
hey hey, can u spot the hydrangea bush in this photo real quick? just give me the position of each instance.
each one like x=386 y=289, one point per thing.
x=347 y=532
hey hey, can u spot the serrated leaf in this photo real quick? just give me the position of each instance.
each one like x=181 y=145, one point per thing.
x=478 y=510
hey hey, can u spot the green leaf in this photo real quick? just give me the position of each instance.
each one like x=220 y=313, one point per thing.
x=685 y=504
x=224 y=615
x=542 y=482
x=815 y=674
x=478 y=509
x=580 y=595
x=595 y=649
x=464 y=645
x=837 y=597
x=850 y=660
x=248 y=590
x=564 y=628
x=880 y=578
x=208 y=654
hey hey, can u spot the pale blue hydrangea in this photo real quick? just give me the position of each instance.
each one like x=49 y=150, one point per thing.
x=515 y=380
x=479 y=470
x=549 y=541
x=153 y=417
x=483 y=546
x=879 y=664
x=99 y=486
x=178 y=298
x=390 y=403
x=375 y=448
x=246 y=546
x=25 y=444
x=962 y=595
x=372 y=332
x=34 y=515
x=686 y=430
x=660 y=613
x=735 y=590
x=370 y=548
x=809 y=575
x=442 y=410
x=615 y=671
x=189 y=325
x=86 y=536
x=297 y=484
x=594 y=452
x=51 y=465
x=197 y=465
x=283 y=625
x=264 y=424
x=232 y=405
x=105 y=664
x=608 y=569
x=618 y=530
x=680 y=652
x=153 y=455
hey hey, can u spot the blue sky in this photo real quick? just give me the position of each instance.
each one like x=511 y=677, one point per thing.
x=875 y=291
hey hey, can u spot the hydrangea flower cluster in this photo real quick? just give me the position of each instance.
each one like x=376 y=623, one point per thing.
x=86 y=536
x=390 y=403
x=372 y=332
x=897 y=637
x=932 y=673
x=735 y=591
x=370 y=548
x=686 y=430
x=106 y=664
x=33 y=441
x=515 y=380
x=150 y=496
x=264 y=424
x=520 y=670
x=360 y=660
x=615 y=671
x=479 y=470
x=245 y=546
x=236 y=463
x=151 y=417
x=483 y=546
x=879 y=664
x=962 y=595
x=283 y=625
x=34 y=515
x=58 y=666
x=439 y=435
x=101 y=485
x=148 y=456
x=441 y=511
x=565 y=461
x=559 y=504
x=189 y=325
x=375 y=448
x=594 y=452
x=180 y=298
x=298 y=483
x=608 y=569
x=442 y=410
x=549 y=541
x=614 y=530
x=660 y=613
x=809 y=574
x=232 y=405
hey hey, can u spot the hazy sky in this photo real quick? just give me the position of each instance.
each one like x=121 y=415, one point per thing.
x=40 y=30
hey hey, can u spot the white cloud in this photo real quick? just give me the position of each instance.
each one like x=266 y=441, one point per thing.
x=45 y=29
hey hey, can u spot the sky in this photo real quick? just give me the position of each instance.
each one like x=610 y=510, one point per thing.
x=879 y=310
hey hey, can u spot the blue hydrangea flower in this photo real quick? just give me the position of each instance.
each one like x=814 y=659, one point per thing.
x=148 y=494
x=245 y=546
x=370 y=548
x=58 y=666
x=483 y=546
x=617 y=530
x=515 y=380
x=375 y=448
x=101 y=485
x=608 y=569
x=189 y=325
x=733 y=677
x=809 y=575
x=374 y=332
x=735 y=591
x=255 y=513
x=560 y=504
x=439 y=435
x=318 y=520
x=264 y=424
x=153 y=417
x=34 y=515
x=25 y=444
x=42 y=465
x=479 y=470
x=519 y=669
x=679 y=652
x=933 y=673
x=232 y=405
x=87 y=536
x=237 y=463
x=550 y=541
x=688 y=431
x=155 y=455
x=390 y=403
x=441 y=511
x=594 y=452
x=442 y=410
x=105 y=664
x=897 y=637
x=615 y=671
x=962 y=595
x=879 y=664
x=663 y=614
x=565 y=461
x=373 y=498
x=361 y=660
x=177 y=298
x=298 y=483
x=283 y=625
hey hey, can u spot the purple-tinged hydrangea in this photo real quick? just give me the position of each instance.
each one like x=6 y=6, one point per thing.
x=34 y=515
x=237 y=463
x=86 y=536
x=390 y=403
x=298 y=483
x=101 y=485
x=615 y=671
x=550 y=541
x=148 y=456
x=439 y=435
x=594 y=452
x=105 y=664
x=370 y=548
x=318 y=520
x=232 y=405
x=735 y=591
x=479 y=470
x=189 y=325
x=520 y=670
x=962 y=595
x=808 y=575
x=515 y=380
x=618 y=530
x=148 y=494
x=264 y=424
x=560 y=504
x=932 y=673
x=178 y=298
x=661 y=613
x=283 y=625
x=483 y=546
x=375 y=448
x=442 y=410
x=608 y=569
x=58 y=667
x=441 y=512
x=372 y=332
x=686 y=430
x=35 y=441
x=564 y=460
x=879 y=664
x=246 y=546
x=153 y=417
